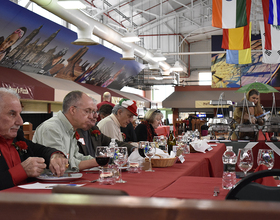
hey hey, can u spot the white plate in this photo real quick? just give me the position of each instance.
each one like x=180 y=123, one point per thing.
x=92 y=169
x=65 y=177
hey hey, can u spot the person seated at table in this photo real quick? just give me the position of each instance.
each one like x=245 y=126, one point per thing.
x=146 y=130
x=252 y=96
x=122 y=115
x=20 y=158
x=91 y=137
x=60 y=131
x=105 y=110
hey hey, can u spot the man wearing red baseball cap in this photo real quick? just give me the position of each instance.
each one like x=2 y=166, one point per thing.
x=122 y=115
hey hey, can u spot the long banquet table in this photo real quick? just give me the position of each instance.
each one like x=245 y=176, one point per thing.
x=146 y=184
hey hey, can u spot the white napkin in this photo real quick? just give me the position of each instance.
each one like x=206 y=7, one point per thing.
x=200 y=145
x=135 y=156
x=161 y=153
x=38 y=185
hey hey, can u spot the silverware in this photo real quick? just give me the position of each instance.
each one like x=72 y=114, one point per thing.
x=216 y=191
x=85 y=181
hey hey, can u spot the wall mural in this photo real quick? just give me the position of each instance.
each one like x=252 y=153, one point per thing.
x=31 y=43
x=236 y=75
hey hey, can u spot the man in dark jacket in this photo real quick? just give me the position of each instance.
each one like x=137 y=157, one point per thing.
x=19 y=157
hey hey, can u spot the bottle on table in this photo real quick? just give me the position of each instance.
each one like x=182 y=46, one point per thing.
x=113 y=144
x=229 y=161
x=171 y=141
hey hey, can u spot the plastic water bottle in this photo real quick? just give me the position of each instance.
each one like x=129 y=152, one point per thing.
x=229 y=161
x=112 y=146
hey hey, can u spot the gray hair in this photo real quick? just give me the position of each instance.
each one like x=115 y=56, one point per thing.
x=72 y=98
x=7 y=91
x=94 y=100
x=117 y=108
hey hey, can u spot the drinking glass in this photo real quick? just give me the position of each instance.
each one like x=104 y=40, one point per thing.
x=141 y=147
x=150 y=151
x=161 y=142
x=266 y=157
x=102 y=155
x=120 y=159
x=245 y=160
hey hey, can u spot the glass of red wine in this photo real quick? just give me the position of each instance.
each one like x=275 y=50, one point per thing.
x=141 y=147
x=102 y=156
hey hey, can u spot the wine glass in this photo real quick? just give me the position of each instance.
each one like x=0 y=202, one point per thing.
x=141 y=147
x=120 y=159
x=245 y=160
x=266 y=157
x=102 y=155
x=150 y=151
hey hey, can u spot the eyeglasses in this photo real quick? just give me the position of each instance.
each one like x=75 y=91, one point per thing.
x=87 y=111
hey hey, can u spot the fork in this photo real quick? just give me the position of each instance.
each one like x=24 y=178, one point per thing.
x=216 y=191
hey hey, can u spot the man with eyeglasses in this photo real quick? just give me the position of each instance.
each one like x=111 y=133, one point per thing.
x=91 y=137
x=60 y=131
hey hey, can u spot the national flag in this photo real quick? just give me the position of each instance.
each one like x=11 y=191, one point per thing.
x=239 y=56
x=230 y=13
x=269 y=56
x=274 y=12
x=272 y=32
x=237 y=38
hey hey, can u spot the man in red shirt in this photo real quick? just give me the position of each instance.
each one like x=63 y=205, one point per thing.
x=19 y=157
x=106 y=100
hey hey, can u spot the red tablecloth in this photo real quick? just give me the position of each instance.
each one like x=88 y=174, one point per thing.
x=163 y=130
x=189 y=187
x=146 y=184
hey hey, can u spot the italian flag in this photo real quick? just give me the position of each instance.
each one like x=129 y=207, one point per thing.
x=230 y=13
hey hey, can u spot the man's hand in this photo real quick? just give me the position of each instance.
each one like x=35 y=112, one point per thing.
x=58 y=164
x=33 y=166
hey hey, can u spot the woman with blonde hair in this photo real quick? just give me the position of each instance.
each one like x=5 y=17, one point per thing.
x=146 y=130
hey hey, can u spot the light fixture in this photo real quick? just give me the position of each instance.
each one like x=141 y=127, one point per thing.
x=128 y=54
x=158 y=78
x=84 y=42
x=158 y=56
x=130 y=37
x=71 y=4
x=177 y=67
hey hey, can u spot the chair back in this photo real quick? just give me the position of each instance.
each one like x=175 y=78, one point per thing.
x=248 y=190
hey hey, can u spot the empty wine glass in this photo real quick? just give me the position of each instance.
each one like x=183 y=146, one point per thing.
x=266 y=157
x=120 y=159
x=150 y=151
x=245 y=160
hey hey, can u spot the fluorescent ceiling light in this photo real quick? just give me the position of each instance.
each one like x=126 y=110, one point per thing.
x=177 y=67
x=158 y=56
x=71 y=4
x=130 y=37
x=158 y=78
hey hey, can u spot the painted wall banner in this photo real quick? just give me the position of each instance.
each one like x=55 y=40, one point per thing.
x=25 y=92
x=206 y=104
x=41 y=46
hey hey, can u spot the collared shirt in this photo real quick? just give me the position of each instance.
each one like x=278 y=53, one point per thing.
x=57 y=132
x=110 y=126
x=11 y=156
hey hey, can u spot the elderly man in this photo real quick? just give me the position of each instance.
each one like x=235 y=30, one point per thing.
x=122 y=115
x=60 y=131
x=92 y=137
x=19 y=157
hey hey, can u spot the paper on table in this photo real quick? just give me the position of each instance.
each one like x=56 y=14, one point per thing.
x=38 y=185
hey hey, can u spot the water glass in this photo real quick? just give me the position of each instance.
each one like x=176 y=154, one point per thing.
x=245 y=160
x=150 y=151
x=120 y=159
x=106 y=176
x=266 y=157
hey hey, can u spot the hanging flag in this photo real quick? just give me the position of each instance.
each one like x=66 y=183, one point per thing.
x=239 y=56
x=269 y=56
x=272 y=32
x=230 y=13
x=274 y=12
x=237 y=38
